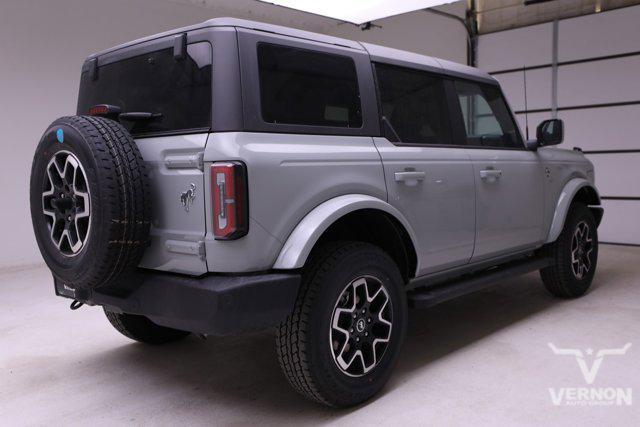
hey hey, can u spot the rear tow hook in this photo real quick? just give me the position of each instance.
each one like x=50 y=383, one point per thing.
x=75 y=304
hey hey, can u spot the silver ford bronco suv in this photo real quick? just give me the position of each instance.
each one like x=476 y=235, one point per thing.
x=234 y=176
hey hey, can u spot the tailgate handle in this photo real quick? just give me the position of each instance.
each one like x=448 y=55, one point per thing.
x=185 y=161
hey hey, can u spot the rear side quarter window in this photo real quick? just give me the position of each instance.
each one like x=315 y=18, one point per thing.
x=414 y=103
x=305 y=87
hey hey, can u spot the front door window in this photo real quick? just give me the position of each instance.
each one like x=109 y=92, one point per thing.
x=487 y=120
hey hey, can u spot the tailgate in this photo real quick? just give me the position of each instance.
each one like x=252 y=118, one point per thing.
x=177 y=202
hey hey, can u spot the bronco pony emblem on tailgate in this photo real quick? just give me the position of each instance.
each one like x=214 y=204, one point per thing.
x=187 y=197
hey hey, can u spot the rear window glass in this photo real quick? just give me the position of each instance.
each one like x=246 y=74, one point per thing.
x=305 y=87
x=415 y=104
x=180 y=90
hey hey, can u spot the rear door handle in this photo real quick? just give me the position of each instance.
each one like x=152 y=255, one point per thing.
x=490 y=174
x=410 y=178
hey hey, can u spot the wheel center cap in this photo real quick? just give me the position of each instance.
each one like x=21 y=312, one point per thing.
x=62 y=204
x=360 y=325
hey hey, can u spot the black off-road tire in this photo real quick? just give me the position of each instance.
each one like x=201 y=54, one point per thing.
x=303 y=341
x=120 y=205
x=141 y=329
x=559 y=278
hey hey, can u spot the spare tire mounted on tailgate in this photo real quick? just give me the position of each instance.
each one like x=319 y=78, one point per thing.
x=90 y=203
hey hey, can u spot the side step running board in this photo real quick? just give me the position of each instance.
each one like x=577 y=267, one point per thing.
x=430 y=296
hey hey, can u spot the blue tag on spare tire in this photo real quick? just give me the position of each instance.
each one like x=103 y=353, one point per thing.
x=60 y=135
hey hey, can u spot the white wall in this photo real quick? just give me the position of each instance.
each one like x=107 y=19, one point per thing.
x=43 y=44
x=585 y=84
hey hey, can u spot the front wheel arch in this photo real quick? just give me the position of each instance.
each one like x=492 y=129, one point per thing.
x=576 y=190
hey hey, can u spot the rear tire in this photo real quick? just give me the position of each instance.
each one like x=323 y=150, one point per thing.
x=351 y=301
x=575 y=255
x=141 y=329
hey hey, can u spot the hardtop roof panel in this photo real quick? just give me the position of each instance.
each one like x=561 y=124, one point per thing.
x=377 y=52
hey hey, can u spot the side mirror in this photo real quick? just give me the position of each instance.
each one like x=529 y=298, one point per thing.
x=550 y=132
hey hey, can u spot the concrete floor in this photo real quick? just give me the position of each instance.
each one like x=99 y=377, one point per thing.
x=482 y=359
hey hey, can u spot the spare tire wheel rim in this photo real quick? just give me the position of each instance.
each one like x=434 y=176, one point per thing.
x=66 y=203
x=361 y=325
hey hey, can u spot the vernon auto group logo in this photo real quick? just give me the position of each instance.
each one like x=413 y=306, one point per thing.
x=590 y=362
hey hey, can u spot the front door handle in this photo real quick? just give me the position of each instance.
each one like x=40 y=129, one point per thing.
x=490 y=174
x=410 y=178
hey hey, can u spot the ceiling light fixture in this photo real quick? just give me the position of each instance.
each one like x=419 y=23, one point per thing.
x=358 y=11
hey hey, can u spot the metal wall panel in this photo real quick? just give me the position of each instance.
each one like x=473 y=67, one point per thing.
x=539 y=88
x=613 y=128
x=613 y=80
x=513 y=86
x=538 y=84
x=515 y=48
x=620 y=222
x=600 y=34
x=618 y=174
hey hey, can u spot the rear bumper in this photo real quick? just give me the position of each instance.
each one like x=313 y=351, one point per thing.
x=212 y=304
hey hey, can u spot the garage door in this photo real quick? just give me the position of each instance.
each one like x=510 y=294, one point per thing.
x=585 y=70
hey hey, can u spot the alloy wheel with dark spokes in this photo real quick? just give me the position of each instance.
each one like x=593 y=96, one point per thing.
x=581 y=249
x=361 y=326
x=66 y=203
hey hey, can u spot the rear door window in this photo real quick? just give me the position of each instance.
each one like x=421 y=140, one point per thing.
x=180 y=90
x=305 y=87
x=487 y=120
x=415 y=104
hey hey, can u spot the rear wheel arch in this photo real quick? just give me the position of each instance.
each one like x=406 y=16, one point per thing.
x=355 y=217
x=379 y=229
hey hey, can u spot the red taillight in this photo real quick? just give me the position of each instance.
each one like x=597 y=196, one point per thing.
x=229 y=200
x=98 y=110
x=105 y=110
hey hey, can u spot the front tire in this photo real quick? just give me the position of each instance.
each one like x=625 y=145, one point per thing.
x=575 y=255
x=343 y=338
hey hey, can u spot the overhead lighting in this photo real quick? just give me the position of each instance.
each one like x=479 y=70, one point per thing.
x=530 y=2
x=358 y=11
